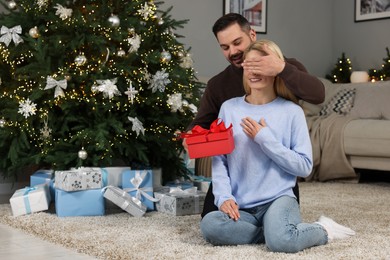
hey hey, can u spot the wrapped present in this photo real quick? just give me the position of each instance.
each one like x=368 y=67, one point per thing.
x=30 y=199
x=123 y=200
x=204 y=143
x=114 y=175
x=180 y=202
x=182 y=184
x=41 y=177
x=79 y=203
x=201 y=182
x=139 y=184
x=83 y=178
x=157 y=177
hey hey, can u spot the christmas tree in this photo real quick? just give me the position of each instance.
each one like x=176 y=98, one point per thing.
x=386 y=66
x=93 y=83
x=342 y=71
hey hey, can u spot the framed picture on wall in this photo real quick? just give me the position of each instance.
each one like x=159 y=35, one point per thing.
x=371 y=10
x=255 y=11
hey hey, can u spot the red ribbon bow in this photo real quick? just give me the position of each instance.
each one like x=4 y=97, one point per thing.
x=217 y=126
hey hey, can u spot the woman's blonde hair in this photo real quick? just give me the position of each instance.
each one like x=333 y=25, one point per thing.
x=279 y=86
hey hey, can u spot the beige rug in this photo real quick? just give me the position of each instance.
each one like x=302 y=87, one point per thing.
x=363 y=207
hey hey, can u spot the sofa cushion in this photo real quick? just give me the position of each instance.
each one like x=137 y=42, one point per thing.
x=341 y=103
x=367 y=137
x=372 y=101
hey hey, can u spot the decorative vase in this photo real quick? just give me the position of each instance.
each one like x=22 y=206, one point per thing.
x=359 y=76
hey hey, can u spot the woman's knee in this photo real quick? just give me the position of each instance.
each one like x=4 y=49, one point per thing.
x=282 y=244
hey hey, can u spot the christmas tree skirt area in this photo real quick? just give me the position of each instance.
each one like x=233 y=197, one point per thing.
x=362 y=206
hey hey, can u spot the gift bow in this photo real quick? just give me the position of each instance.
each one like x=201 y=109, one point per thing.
x=11 y=34
x=180 y=191
x=217 y=126
x=140 y=191
x=27 y=190
x=125 y=196
x=59 y=85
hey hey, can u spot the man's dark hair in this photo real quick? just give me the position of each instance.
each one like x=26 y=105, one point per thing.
x=230 y=19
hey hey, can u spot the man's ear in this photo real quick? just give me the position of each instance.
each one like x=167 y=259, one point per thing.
x=252 y=34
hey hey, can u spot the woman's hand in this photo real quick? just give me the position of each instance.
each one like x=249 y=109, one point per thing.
x=251 y=127
x=230 y=207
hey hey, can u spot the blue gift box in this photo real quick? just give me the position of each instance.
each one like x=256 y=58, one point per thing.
x=139 y=184
x=79 y=203
x=41 y=177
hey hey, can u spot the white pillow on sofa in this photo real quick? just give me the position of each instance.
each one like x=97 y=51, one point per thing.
x=372 y=101
x=341 y=103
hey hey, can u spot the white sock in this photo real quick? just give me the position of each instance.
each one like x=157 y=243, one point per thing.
x=335 y=230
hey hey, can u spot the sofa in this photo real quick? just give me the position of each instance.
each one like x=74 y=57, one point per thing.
x=350 y=130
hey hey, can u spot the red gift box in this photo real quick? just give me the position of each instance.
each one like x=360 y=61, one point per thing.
x=203 y=143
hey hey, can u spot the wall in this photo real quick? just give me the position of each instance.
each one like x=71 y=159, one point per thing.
x=363 y=42
x=315 y=32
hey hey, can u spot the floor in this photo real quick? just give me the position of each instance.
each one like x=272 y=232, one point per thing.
x=16 y=245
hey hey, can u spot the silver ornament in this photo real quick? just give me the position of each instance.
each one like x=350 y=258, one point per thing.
x=121 y=53
x=2 y=123
x=33 y=32
x=83 y=154
x=180 y=54
x=12 y=5
x=160 y=21
x=165 y=57
x=80 y=60
x=114 y=20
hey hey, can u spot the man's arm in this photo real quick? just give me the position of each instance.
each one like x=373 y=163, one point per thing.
x=303 y=85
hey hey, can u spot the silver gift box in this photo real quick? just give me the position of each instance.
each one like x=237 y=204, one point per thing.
x=79 y=179
x=180 y=204
x=123 y=200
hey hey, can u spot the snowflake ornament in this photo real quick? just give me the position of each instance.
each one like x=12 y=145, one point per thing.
x=27 y=108
x=63 y=12
x=159 y=81
x=108 y=87
x=135 y=43
x=45 y=131
x=131 y=92
x=175 y=102
x=146 y=11
x=186 y=62
x=137 y=125
x=42 y=3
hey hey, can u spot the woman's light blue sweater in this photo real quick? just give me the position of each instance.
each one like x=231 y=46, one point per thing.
x=259 y=171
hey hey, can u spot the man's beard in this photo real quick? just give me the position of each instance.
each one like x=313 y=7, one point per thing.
x=236 y=59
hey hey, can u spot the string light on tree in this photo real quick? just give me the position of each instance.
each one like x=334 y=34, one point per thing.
x=110 y=70
x=342 y=70
x=2 y=122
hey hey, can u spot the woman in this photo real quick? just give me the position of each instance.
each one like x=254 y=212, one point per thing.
x=253 y=185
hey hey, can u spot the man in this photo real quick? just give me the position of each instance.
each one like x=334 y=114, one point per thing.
x=234 y=35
